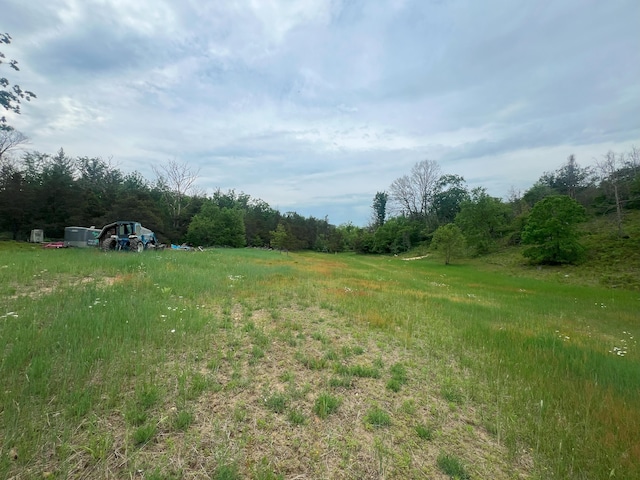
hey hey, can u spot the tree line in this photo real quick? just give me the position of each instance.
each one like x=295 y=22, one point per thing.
x=54 y=191
x=436 y=208
x=424 y=206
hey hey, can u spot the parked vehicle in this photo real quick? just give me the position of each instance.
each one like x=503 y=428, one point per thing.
x=81 y=236
x=127 y=236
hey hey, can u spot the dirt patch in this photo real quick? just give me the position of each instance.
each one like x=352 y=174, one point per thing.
x=416 y=258
x=43 y=286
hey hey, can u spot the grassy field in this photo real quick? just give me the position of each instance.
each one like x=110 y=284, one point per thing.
x=254 y=364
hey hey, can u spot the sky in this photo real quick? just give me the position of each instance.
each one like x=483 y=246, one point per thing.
x=315 y=105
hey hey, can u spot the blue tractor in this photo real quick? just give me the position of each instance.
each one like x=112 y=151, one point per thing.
x=127 y=236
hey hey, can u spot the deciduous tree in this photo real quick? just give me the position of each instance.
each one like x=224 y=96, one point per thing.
x=450 y=192
x=412 y=195
x=176 y=181
x=10 y=139
x=483 y=220
x=449 y=240
x=11 y=96
x=610 y=170
x=551 y=230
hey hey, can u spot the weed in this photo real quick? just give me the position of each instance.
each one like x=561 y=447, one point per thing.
x=358 y=371
x=452 y=394
x=331 y=355
x=452 y=466
x=357 y=350
x=277 y=403
x=424 y=432
x=325 y=405
x=399 y=372
x=256 y=354
x=320 y=337
x=135 y=416
x=377 y=417
x=157 y=474
x=296 y=417
x=148 y=395
x=240 y=412
x=398 y=377
x=408 y=407
x=264 y=473
x=227 y=472
x=144 y=433
x=199 y=384
x=312 y=363
x=183 y=420
x=345 y=381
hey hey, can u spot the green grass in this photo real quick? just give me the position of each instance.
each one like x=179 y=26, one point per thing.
x=424 y=432
x=109 y=359
x=452 y=466
x=144 y=434
x=361 y=371
x=325 y=405
x=183 y=420
x=277 y=402
x=376 y=417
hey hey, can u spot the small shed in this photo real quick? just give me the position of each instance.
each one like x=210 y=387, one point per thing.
x=37 y=236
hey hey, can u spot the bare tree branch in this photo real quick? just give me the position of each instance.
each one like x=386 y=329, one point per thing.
x=176 y=180
x=608 y=167
x=11 y=139
x=413 y=194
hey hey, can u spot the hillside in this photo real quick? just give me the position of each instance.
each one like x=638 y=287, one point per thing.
x=611 y=260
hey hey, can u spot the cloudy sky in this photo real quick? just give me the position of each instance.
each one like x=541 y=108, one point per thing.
x=315 y=105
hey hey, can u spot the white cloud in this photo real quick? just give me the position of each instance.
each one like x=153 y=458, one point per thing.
x=317 y=105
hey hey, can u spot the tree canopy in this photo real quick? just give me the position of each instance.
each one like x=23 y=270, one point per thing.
x=11 y=96
x=551 y=230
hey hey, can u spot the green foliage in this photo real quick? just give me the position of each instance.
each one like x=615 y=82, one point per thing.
x=279 y=237
x=325 y=405
x=217 y=226
x=452 y=466
x=483 y=220
x=296 y=417
x=11 y=96
x=397 y=235
x=570 y=179
x=183 y=420
x=144 y=433
x=551 y=229
x=424 y=432
x=449 y=240
x=277 y=402
x=379 y=208
x=451 y=192
x=361 y=371
x=227 y=472
x=398 y=377
x=377 y=417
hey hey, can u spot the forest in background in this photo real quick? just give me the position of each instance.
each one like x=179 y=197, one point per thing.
x=53 y=191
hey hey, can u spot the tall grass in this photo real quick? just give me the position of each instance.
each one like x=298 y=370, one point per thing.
x=552 y=368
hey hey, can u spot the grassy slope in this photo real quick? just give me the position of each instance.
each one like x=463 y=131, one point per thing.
x=201 y=365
